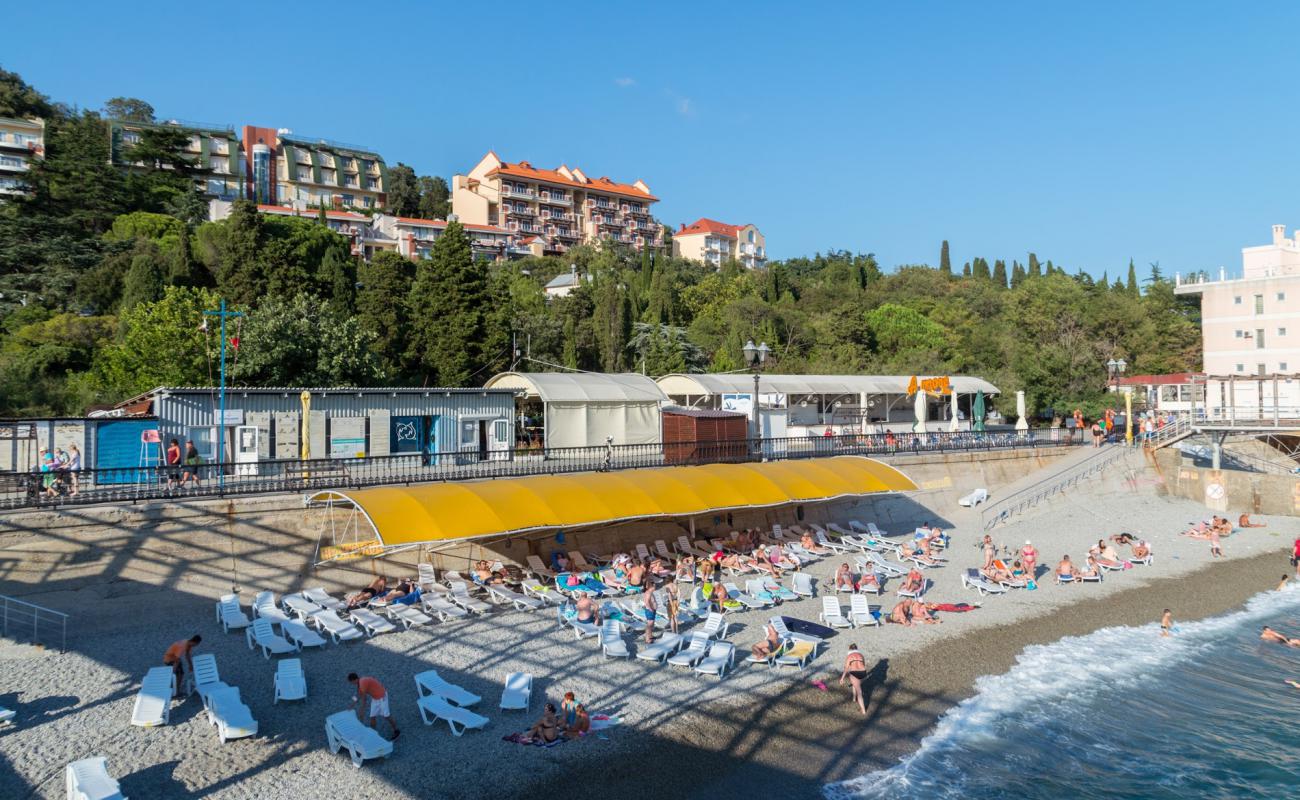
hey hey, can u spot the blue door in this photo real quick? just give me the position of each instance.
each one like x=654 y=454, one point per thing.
x=118 y=447
x=431 y=442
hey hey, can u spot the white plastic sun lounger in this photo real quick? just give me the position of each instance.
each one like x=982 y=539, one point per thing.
x=299 y=606
x=152 y=703
x=501 y=594
x=716 y=626
x=339 y=629
x=837 y=547
x=797 y=654
x=344 y=731
x=1091 y=578
x=442 y=608
x=972 y=579
x=372 y=623
x=459 y=594
x=430 y=682
x=695 y=651
x=539 y=569
x=746 y=600
x=261 y=635
x=885 y=566
x=667 y=644
x=540 y=591
x=802 y=585
x=832 y=614
x=264 y=607
x=755 y=588
x=301 y=636
x=230 y=615
x=409 y=616
x=777 y=590
x=974 y=498
x=233 y=719
x=323 y=599
x=642 y=552
x=517 y=694
x=88 y=779
x=205 y=680
x=611 y=640
x=434 y=708
x=7 y=714
x=778 y=624
x=684 y=547
x=721 y=657
x=290 y=682
x=860 y=612
x=581 y=630
x=425 y=576
x=1060 y=579
x=661 y=547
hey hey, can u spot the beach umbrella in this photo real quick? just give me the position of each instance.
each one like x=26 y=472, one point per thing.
x=955 y=424
x=977 y=413
x=304 y=445
x=1022 y=424
x=919 y=425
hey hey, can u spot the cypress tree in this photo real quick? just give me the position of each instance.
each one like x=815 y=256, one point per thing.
x=965 y=270
x=145 y=279
x=981 y=269
x=447 y=300
x=1132 y=287
x=1000 y=274
x=945 y=265
x=1034 y=271
x=1017 y=274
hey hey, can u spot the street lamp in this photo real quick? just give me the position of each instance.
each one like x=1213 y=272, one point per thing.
x=1115 y=369
x=755 y=356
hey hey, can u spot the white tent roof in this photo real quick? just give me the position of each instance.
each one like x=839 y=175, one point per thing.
x=743 y=383
x=580 y=387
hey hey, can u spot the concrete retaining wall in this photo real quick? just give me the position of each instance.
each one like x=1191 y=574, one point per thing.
x=1227 y=491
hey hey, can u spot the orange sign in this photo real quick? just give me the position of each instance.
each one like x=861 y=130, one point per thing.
x=930 y=385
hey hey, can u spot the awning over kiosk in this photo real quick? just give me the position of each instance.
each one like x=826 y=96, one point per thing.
x=407 y=515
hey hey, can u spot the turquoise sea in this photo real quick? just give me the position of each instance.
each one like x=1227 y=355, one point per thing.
x=1122 y=713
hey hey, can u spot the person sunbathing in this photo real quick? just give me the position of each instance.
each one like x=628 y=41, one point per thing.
x=921 y=613
x=844 y=578
x=588 y=610
x=1093 y=570
x=1244 y=522
x=767 y=647
x=658 y=570
x=547 y=728
x=1221 y=526
x=764 y=564
x=781 y=559
x=636 y=577
x=1017 y=571
x=914 y=582
x=721 y=599
x=808 y=543
x=685 y=569
x=562 y=562
x=706 y=569
x=900 y=614
x=1141 y=549
x=1106 y=557
x=614 y=578
x=868 y=581
x=950 y=607
x=581 y=723
x=1270 y=635
x=1123 y=538
x=484 y=575
x=921 y=557
x=1066 y=568
x=402 y=589
x=998 y=574
x=377 y=587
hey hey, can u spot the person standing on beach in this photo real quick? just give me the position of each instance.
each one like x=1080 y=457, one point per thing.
x=1215 y=549
x=855 y=670
x=371 y=690
x=990 y=551
x=181 y=659
x=1295 y=556
x=1166 y=622
x=649 y=610
x=1029 y=558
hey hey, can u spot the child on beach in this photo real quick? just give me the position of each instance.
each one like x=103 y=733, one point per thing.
x=1215 y=549
x=1166 y=622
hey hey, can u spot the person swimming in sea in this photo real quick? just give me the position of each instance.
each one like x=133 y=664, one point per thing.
x=1270 y=635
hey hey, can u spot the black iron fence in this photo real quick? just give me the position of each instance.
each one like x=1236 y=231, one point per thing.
x=130 y=484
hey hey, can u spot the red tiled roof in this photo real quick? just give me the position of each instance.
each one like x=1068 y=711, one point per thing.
x=1150 y=380
x=293 y=212
x=442 y=223
x=706 y=225
x=525 y=170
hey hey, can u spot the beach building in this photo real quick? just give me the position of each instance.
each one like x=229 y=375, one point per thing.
x=554 y=209
x=316 y=422
x=1178 y=392
x=585 y=409
x=282 y=168
x=1250 y=329
x=21 y=141
x=716 y=243
x=214 y=150
x=810 y=405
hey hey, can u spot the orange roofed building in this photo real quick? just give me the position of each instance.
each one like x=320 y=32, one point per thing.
x=555 y=209
x=716 y=242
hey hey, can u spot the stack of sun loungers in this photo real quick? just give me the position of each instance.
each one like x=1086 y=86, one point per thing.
x=441 y=700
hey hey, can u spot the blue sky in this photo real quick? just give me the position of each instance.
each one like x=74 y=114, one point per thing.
x=1089 y=133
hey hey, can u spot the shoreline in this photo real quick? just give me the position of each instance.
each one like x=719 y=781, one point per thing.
x=918 y=687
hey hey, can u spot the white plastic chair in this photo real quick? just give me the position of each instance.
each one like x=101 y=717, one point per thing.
x=517 y=695
x=290 y=682
x=720 y=658
x=230 y=615
x=611 y=640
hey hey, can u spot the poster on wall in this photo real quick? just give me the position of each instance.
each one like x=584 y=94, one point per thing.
x=286 y=436
x=348 y=437
x=744 y=403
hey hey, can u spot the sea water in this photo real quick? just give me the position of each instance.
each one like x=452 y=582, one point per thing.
x=1122 y=713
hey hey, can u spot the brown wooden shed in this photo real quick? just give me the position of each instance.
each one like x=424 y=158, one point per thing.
x=693 y=435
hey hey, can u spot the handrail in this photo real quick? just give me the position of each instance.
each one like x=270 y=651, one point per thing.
x=1018 y=501
x=133 y=484
x=12 y=620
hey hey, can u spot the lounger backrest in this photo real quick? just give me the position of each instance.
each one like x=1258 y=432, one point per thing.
x=643 y=551
x=205 y=669
x=778 y=625
x=289 y=668
x=858 y=604
x=519 y=682
x=802 y=581
x=754 y=587
x=713 y=623
x=699 y=641
x=720 y=650
x=535 y=563
x=262 y=629
x=459 y=589
x=831 y=607
x=683 y=544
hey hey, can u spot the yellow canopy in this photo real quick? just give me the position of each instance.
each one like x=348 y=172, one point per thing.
x=440 y=511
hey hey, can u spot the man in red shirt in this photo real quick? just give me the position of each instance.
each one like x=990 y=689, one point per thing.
x=179 y=657
x=372 y=690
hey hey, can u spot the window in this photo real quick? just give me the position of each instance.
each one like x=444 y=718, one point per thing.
x=1240 y=368
x=1239 y=333
x=751 y=237
x=1259 y=304
x=1236 y=301
x=1259 y=338
x=1260 y=369
x=1281 y=366
x=1281 y=331
x=1281 y=296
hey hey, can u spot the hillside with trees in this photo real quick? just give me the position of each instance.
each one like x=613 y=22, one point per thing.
x=104 y=277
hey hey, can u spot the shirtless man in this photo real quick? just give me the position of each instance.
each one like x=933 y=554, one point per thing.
x=1244 y=522
x=900 y=613
x=1141 y=549
x=1166 y=622
x=1091 y=571
x=920 y=611
x=1066 y=568
x=1270 y=635
x=914 y=582
x=636 y=577
x=844 y=578
x=587 y=610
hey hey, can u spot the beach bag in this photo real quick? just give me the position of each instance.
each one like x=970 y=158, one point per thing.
x=1031 y=585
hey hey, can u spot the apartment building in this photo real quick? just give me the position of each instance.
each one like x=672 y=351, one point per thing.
x=415 y=237
x=21 y=140
x=716 y=243
x=286 y=170
x=215 y=151
x=551 y=210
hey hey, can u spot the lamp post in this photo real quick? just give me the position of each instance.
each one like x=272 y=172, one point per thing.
x=755 y=356
x=1115 y=369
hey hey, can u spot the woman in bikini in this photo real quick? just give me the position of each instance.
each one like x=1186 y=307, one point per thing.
x=900 y=613
x=721 y=598
x=844 y=578
x=673 y=594
x=547 y=728
x=855 y=670
x=766 y=648
x=1029 y=558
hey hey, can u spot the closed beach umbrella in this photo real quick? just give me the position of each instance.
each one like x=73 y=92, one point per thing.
x=977 y=413
x=955 y=424
x=919 y=425
x=305 y=446
x=1022 y=424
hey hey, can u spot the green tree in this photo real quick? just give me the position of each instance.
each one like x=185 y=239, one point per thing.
x=21 y=101
x=1034 y=270
x=448 y=300
x=980 y=269
x=966 y=270
x=945 y=264
x=1132 y=286
x=382 y=307
x=130 y=109
x=1000 y=274
x=435 y=198
x=613 y=323
x=146 y=279
x=302 y=341
x=1017 y=274
x=160 y=344
x=403 y=190
x=232 y=251
x=40 y=353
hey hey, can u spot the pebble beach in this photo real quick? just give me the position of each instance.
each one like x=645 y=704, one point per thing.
x=679 y=734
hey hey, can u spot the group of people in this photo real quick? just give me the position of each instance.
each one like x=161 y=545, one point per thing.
x=406 y=591
x=182 y=468
x=570 y=721
x=58 y=470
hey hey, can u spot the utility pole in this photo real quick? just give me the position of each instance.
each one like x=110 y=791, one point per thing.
x=223 y=314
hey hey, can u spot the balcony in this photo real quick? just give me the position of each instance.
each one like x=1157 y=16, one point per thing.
x=520 y=211
x=567 y=233
x=559 y=216
x=639 y=211
x=555 y=199
x=9 y=164
x=523 y=194
x=529 y=227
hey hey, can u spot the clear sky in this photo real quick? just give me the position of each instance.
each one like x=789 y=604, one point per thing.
x=1087 y=132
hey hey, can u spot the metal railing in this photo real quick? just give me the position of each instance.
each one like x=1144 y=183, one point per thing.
x=32 y=622
x=1162 y=437
x=131 y=484
x=1030 y=496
